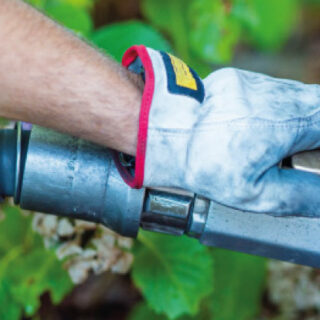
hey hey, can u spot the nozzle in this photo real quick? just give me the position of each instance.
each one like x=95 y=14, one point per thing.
x=70 y=177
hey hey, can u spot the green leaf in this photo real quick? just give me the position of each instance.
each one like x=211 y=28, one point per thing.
x=13 y=230
x=48 y=277
x=173 y=273
x=84 y=4
x=143 y=312
x=176 y=18
x=169 y=16
x=118 y=37
x=72 y=17
x=267 y=24
x=239 y=283
x=27 y=269
x=206 y=31
x=11 y=310
x=214 y=32
x=36 y=3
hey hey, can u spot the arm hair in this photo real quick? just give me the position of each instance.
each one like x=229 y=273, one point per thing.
x=51 y=78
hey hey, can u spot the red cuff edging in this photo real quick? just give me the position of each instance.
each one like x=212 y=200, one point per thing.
x=130 y=55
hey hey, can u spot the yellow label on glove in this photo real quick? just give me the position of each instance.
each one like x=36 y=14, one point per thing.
x=184 y=77
x=181 y=79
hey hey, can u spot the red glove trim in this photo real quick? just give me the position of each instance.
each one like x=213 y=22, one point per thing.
x=130 y=55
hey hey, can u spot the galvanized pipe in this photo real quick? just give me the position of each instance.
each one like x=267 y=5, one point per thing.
x=58 y=174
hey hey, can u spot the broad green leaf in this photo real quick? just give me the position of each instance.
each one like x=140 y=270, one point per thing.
x=118 y=37
x=10 y=311
x=143 y=312
x=27 y=269
x=202 y=68
x=32 y=283
x=84 y=4
x=214 y=32
x=72 y=17
x=176 y=19
x=173 y=273
x=13 y=230
x=170 y=16
x=267 y=24
x=238 y=286
x=239 y=283
x=37 y=3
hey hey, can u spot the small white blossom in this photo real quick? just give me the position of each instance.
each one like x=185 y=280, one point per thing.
x=293 y=288
x=104 y=250
x=65 y=228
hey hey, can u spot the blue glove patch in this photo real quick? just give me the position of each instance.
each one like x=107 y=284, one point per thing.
x=182 y=79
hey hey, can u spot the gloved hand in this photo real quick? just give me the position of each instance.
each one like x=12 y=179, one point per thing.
x=224 y=137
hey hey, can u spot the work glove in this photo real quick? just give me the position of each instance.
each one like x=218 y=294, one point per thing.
x=224 y=137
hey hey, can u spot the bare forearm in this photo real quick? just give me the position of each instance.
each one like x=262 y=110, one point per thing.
x=51 y=78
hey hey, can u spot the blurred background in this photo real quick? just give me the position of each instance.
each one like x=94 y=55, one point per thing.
x=54 y=268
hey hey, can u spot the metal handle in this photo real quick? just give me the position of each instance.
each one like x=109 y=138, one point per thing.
x=293 y=239
x=55 y=173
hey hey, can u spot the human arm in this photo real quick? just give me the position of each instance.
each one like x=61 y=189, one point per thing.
x=51 y=78
x=225 y=146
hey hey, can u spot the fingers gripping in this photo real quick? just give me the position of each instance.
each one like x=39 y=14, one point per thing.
x=292 y=193
x=308 y=136
x=304 y=116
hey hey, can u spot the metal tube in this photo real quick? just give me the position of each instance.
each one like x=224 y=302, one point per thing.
x=55 y=173
x=293 y=239
x=71 y=177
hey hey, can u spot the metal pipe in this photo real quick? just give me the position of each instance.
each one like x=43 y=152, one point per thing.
x=54 y=173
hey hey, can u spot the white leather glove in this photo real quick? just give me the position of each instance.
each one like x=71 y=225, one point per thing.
x=224 y=137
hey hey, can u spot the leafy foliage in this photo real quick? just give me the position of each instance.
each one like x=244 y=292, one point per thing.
x=214 y=33
x=268 y=24
x=116 y=38
x=36 y=3
x=143 y=312
x=211 y=29
x=70 y=16
x=27 y=269
x=174 y=274
x=238 y=287
x=81 y=4
x=84 y=4
x=239 y=283
x=170 y=16
x=73 y=14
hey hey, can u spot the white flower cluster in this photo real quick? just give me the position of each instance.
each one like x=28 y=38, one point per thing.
x=294 y=289
x=85 y=247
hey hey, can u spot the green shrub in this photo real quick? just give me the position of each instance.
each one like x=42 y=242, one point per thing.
x=178 y=277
